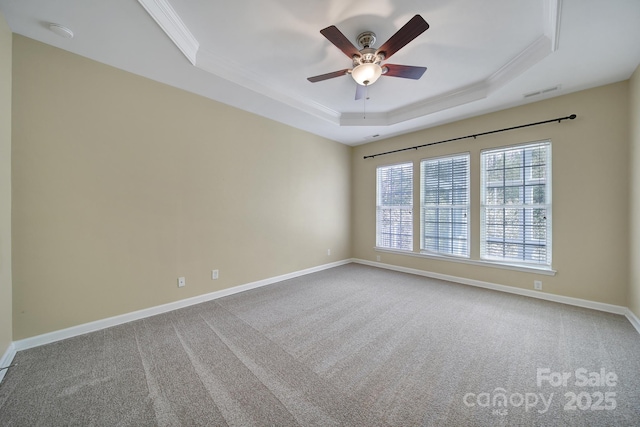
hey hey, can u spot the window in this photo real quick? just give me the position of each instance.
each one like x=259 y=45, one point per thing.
x=515 y=206
x=394 y=206
x=444 y=213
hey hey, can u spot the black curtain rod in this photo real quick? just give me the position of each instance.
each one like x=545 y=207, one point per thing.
x=474 y=136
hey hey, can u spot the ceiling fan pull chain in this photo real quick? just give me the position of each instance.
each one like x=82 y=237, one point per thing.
x=364 y=101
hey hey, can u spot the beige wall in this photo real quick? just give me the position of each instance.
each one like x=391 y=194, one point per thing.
x=634 y=115
x=122 y=184
x=590 y=192
x=5 y=186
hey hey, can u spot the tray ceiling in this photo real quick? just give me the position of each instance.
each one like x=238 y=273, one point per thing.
x=256 y=55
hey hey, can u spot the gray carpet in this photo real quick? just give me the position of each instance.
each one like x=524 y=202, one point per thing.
x=349 y=346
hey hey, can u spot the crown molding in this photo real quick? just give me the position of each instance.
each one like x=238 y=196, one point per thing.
x=166 y=17
x=552 y=13
x=233 y=72
x=170 y=22
x=526 y=59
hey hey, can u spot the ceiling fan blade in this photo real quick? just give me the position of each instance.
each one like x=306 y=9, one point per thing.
x=334 y=35
x=328 y=75
x=360 y=91
x=404 y=71
x=412 y=29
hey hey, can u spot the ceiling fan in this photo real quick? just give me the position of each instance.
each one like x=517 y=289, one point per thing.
x=367 y=61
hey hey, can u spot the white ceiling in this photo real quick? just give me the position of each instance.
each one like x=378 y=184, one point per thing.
x=481 y=56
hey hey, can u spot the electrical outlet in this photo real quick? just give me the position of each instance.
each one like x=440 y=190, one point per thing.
x=378 y=258
x=328 y=252
x=181 y=282
x=537 y=285
x=214 y=274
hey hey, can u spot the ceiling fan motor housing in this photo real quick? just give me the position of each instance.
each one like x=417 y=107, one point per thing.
x=366 y=39
x=367 y=56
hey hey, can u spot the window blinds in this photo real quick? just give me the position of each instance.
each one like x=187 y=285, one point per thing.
x=515 y=212
x=444 y=195
x=394 y=211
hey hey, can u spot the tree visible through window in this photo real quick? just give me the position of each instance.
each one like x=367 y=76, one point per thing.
x=516 y=204
x=394 y=211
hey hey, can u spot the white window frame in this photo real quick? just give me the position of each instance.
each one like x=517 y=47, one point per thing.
x=440 y=207
x=525 y=241
x=402 y=237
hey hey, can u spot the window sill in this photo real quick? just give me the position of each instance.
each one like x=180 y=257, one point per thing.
x=482 y=263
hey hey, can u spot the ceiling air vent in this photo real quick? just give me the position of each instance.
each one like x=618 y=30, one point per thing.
x=541 y=92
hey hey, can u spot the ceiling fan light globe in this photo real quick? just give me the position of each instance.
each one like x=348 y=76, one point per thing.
x=366 y=74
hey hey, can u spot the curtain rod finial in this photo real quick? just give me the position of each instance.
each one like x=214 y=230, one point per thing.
x=573 y=116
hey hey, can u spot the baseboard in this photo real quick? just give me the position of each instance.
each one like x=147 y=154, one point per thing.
x=633 y=319
x=6 y=359
x=609 y=308
x=141 y=314
x=152 y=311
